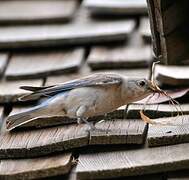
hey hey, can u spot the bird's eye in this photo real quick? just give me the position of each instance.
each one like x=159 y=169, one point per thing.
x=142 y=83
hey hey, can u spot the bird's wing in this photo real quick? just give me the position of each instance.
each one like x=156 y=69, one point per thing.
x=92 y=80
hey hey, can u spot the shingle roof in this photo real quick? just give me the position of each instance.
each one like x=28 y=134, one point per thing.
x=49 y=42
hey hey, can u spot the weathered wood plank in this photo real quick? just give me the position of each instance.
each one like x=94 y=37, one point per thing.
x=171 y=37
x=119 y=131
x=166 y=12
x=83 y=71
x=144 y=30
x=132 y=162
x=172 y=75
x=156 y=110
x=35 y=168
x=119 y=57
x=9 y=90
x=140 y=72
x=42 y=64
x=175 y=47
x=32 y=11
x=133 y=54
x=32 y=143
x=4 y=57
x=165 y=135
x=90 y=31
x=153 y=26
x=38 y=142
x=116 y=7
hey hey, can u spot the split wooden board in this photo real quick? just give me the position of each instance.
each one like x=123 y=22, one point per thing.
x=83 y=30
x=41 y=64
x=172 y=75
x=35 y=168
x=159 y=135
x=9 y=90
x=31 y=143
x=132 y=162
x=4 y=57
x=116 y=7
x=32 y=11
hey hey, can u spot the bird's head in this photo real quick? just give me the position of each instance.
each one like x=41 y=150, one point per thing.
x=137 y=89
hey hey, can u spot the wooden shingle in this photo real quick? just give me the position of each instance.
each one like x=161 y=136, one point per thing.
x=119 y=131
x=116 y=7
x=9 y=90
x=31 y=11
x=32 y=143
x=169 y=134
x=3 y=62
x=132 y=54
x=132 y=162
x=42 y=64
x=172 y=75
x=35 y=168
x=82 y=30
x=169 y=25
x=119 y=57
x=156 y=110
x=144 y=29
x=38 y=142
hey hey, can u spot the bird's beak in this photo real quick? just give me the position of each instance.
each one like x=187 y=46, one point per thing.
x=151 y=86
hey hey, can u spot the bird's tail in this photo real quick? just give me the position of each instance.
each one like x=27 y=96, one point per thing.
x=16 y=120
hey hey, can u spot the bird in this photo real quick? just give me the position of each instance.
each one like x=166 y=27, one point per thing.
x=89 y=96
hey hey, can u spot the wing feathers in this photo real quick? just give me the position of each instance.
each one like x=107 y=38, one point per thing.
x=93 y=80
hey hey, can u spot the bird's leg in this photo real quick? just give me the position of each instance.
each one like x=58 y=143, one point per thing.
x=91 y=125
x=80 y=112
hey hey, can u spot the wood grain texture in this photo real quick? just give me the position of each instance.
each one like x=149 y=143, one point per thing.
x=41 y=11
x=156 y=110
x=83 y=71
x=172 y=75
x=9 y=90
x=119 y=57
x=132 y=54
x=144 y=30
x=83 y=30
x=35 y=168
x=119 y=131
x=165 y=135
x=166 y=12
x=37 y=142
x=132 y=162
x=4 y=57
x=175 y=46
x=32 y=143
x=171 y=37
x=153 y=24
x=116 y=7
x=41 y=64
